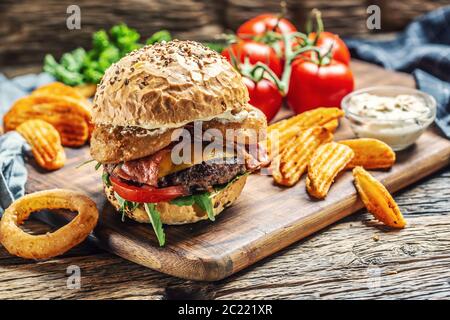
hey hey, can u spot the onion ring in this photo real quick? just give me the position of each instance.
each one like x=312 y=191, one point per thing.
x=25 y=245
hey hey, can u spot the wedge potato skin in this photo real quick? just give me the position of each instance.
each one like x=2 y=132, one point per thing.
x=326 y=163
x=370 y=153
x=377 y=199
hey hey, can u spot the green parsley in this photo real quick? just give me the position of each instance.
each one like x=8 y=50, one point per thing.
x=88 y=66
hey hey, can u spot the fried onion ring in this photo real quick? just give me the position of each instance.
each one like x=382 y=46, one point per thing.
x=25 y=245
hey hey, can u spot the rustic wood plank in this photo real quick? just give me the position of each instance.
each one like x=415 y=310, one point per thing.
x=339 y=262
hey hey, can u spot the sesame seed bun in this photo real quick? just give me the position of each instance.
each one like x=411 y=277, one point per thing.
x=168 y=85
x=113 y=144
x=173 y=214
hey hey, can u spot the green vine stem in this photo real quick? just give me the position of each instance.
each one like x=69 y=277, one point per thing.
x=260 y=70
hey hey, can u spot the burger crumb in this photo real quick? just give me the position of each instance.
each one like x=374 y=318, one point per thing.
x=376 y=237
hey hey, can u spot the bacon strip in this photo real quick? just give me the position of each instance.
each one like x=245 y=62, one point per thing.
x=143 y=170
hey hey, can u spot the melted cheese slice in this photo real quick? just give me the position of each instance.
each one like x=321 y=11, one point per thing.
x=167 y=167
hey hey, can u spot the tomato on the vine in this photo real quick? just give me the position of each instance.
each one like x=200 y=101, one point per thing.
x=256 y=52
x=263 y=23
x=265 y=96
x=339 y=50
x=314 y=85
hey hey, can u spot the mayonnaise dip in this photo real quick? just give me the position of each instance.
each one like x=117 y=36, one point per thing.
x=397 y=120
x=401 y=107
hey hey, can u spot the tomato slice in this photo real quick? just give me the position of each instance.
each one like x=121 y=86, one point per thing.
x=146 y=194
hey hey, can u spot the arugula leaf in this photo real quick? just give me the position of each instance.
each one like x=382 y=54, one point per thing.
x=121 y=202
x=224 y=186
x=183 y=201
x=155 y=219
x=203 y=200
x=105 y=178
x=84 y=163
x=125 y=205
x=97 y=166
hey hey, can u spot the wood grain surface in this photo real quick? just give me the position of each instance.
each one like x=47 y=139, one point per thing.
x=265 y=218
x=31 y=28
x=342 y=261
x=355 y=258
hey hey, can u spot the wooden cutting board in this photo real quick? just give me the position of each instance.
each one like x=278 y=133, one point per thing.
x=264 y=219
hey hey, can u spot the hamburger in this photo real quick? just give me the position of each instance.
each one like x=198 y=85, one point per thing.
x=160 y=104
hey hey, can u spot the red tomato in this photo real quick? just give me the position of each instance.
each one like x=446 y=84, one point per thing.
x=255 y=52
x=259 y=25
x=340 y=51
x=265 y=96
x=313 y=86
x=146 y=194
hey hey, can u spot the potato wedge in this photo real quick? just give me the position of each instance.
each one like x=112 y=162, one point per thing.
x=377 y=199
x=370 y=153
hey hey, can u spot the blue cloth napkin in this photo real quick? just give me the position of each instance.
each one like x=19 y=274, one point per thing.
x=13 y=174
x=423 y=49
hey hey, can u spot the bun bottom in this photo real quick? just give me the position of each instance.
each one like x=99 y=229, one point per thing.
x=173 y=214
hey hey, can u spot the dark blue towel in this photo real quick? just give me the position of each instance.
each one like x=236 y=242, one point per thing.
x=423 y=49
x=13 y=173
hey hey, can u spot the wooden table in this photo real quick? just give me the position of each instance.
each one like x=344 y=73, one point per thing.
x=352 y=259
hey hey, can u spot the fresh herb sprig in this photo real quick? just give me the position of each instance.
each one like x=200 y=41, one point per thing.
x=80 y=66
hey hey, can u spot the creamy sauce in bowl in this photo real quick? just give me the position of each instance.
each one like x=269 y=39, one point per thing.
x=395 y=115
x=401 y=107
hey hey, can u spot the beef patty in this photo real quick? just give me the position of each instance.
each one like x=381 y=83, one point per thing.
x=204 y=176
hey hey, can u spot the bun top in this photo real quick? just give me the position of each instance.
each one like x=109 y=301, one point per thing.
x=168 y=85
